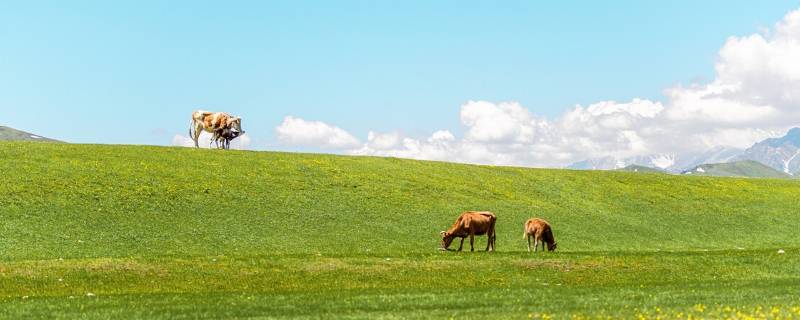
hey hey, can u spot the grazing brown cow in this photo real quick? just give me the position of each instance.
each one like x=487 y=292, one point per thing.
x=541 y=231
x=211 y=122
x=471 y=223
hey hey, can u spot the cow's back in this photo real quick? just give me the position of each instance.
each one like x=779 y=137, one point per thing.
x=537 y=226
x=211 y=121
x=478 y=221
x=200 y=115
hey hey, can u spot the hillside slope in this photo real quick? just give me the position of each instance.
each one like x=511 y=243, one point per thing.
x=134 y=200
x=99 y=231
x=747 y=168
x=11 y=134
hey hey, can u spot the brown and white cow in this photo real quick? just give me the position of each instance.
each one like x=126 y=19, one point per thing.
x=540 y=231
x=212 y=122
x=471 y=223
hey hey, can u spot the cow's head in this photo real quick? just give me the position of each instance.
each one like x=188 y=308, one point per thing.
x=447 y=239
x=235 y=123
x=551 y=246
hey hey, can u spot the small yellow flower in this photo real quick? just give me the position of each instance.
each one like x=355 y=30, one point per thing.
x=699 y=307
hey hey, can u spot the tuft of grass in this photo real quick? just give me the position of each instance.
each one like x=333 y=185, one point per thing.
x=100 y=231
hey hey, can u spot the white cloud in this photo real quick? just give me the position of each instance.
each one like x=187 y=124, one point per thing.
x=184 y=141
x=497 y=123
x=241 y=142
x=298 y=132
x=384 y=141
x=754 y=95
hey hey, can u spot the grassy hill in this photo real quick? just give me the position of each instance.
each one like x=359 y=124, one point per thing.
x=747 y=168
x=97 y=231
x=11 y=134
x=641 y=169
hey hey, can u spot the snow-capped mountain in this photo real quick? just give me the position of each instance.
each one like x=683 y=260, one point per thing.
x=668 y=162
x=713 y=155
x=605 y=163
x=782 y=154
x=661 y=161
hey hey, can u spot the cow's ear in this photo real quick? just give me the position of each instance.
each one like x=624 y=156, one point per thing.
x=443 y=233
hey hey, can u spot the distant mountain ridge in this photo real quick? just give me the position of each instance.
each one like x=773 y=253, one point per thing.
x=781 y=154
x=744 y=168
x=11 y=134
x=667 y=162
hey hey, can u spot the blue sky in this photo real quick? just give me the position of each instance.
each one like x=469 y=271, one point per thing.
x=131 y=72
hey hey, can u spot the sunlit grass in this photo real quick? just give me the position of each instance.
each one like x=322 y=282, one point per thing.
x=153 y=232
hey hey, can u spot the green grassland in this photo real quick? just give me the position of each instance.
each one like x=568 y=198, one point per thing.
x=642 y=169
x=92 y=231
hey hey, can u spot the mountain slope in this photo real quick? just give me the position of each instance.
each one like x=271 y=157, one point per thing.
x=746 y=168
x=11 y=134
x=782 y=154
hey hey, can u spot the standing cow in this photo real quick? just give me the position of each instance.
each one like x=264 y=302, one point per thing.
x=540 y=231
x=471 y=223
x=213 y=122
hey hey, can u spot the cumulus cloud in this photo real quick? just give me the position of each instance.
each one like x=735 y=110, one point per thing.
x=506 y=122
x=299 y=132
x=755 y=94
x=509 y=134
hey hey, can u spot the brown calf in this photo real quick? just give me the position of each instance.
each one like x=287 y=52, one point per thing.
x=541 y=231
x=224 y=136
x=471 y=223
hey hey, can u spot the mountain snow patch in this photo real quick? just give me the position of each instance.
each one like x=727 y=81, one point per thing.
x=700 y=169
x=663 y=161
x=787 y=162
x=35 y=137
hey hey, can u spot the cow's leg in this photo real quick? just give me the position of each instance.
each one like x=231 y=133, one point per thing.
x=535 y=244
x=471 y=242
x=461 y=245
x=529 y=243
x=213 y=139
x=543 y=248
x=490 y=241
x=198 y=127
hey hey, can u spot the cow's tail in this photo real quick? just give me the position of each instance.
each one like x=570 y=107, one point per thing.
x=525 y=231
x=191 y=125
